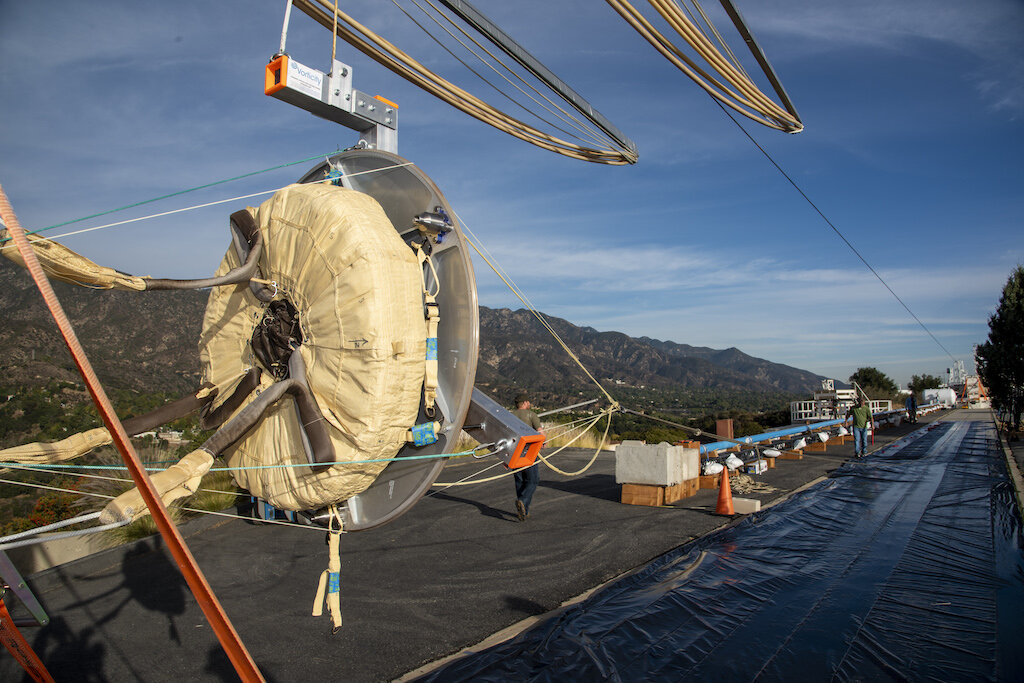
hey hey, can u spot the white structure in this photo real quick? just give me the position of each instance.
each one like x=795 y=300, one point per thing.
x=944 y=396
x=655 y=464
x=830 y=404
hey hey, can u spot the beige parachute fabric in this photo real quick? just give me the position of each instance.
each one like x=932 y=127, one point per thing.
x=181 y=480
x=357 y=286
x=68 y=266
x=69 y=448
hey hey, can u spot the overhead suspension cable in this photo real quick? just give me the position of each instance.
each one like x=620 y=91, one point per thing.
x=402 y=64
x=474 y=242
x=592 y=136
x=731 y=87
x=837 y=231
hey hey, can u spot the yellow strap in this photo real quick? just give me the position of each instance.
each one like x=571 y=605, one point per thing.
x=433 y=317
x=332 y=599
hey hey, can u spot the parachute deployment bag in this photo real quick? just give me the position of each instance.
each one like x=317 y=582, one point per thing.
x=356 y=292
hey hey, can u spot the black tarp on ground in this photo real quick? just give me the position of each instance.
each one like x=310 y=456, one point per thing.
x=903 y=565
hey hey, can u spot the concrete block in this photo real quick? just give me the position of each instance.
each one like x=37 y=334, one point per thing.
x=655 y=464
x=745 y=506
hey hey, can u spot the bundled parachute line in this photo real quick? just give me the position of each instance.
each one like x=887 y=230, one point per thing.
x=607 y=146
x=732 y=86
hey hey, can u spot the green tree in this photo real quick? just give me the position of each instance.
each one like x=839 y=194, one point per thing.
x=874 y=382
x=919 y=383
x=1000 y=360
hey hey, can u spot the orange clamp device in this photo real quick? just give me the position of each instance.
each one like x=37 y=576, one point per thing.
x=526 y=451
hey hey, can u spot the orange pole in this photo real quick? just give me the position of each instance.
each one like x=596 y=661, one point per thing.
x=226 y=634
x=19 y=648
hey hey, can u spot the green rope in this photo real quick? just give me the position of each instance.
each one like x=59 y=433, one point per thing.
x=173 y=194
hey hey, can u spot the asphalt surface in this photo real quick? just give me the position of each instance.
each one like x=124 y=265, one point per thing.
x=456 y=569
x=905 y=565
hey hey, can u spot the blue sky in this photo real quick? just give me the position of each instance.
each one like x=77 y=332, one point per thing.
x=914 y=140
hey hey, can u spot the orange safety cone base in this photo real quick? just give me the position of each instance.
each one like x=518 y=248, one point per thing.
x=725 y=496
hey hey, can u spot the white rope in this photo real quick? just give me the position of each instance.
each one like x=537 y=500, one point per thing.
x=5 y=545
x=195 y=510
x=68 y=473
x=51 y=527
x=203 y=206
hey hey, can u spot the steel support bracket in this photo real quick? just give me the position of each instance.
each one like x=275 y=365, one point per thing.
x=514 y=442
x=13 y=580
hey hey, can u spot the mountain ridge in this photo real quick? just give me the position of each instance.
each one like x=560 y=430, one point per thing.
x=148 y=342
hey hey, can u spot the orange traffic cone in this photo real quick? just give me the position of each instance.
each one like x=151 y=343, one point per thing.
x=725 y=495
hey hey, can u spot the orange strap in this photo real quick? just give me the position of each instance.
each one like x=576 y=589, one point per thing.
x=19 y=648
x=226 y=634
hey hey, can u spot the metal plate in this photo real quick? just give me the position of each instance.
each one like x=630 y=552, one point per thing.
x=405 y=191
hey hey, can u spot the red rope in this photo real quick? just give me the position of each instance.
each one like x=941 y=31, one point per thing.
x=226 y=634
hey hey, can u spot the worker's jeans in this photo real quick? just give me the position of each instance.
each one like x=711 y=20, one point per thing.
x=860 y=440
x=526 y=483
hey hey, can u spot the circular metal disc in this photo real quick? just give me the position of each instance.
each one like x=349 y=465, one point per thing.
x=404 y=191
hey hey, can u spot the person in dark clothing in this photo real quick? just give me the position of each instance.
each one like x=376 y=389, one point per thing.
x=912 y=409
x=528 y=477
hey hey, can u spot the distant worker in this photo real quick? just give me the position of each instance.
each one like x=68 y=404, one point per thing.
x=527 y=478
x=912 y=408
x=861 y=415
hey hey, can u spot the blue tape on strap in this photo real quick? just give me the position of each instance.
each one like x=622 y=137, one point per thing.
x=334 y=582
x=424 y=435
x=431 y=348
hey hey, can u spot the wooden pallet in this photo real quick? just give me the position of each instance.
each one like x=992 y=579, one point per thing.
x=680 y=491
x=710 y=481
x=642 y=494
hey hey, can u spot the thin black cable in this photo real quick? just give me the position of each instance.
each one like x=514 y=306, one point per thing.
x=834 y=228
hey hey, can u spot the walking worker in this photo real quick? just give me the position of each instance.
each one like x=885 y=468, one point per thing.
x=861 y=415
x=912 y=408
x=527 y=478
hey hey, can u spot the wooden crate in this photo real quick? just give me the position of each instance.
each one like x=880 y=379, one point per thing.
x=643 y=494
x=792 y=455
x=682 y=490
x=817 y=447
x=712 y=481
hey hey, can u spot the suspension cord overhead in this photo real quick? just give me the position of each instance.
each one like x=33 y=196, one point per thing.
x=731 y=86
x=838 y=232
x=474 y=242
x=402 y=64
x=472 y=16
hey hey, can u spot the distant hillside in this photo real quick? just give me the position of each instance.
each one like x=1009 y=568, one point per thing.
x=147 y=342
x=144 y=342
x=515 y=348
